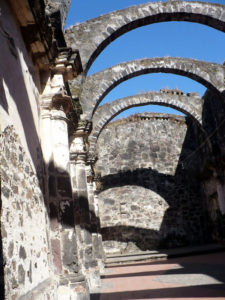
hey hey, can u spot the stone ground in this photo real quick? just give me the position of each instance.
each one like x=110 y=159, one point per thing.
x=192 y=277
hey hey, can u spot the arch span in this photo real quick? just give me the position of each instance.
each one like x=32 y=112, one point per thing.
x=91 y=37
x=98 y=85
x=191 y=105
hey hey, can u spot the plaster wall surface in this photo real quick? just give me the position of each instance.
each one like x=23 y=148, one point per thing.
x=19 y=87
x=150 y=194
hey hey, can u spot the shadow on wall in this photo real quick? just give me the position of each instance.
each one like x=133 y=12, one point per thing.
x=17 y=89
x=213 y=165
x=13 y=85
x=185 y=221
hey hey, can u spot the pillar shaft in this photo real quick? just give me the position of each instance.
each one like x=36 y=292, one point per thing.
x=78 y=157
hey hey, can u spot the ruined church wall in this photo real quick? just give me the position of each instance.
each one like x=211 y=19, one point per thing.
x=24 y=214
x=213 y=163
x=150 y=195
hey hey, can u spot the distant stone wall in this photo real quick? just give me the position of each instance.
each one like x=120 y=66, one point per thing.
x=150 y=191
x=24 y=220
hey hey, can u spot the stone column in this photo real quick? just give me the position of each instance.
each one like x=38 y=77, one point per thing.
x=98 y=251
x=55 y=144
x=55 y=104
x=78 y=156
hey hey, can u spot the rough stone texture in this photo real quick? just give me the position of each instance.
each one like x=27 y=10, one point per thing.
x=53 y=6
x=46 y=290
x=40 y=260
x=93 y=36
x=213 y=163
x=190 y=104
x=213 y=122
x=33 y=109
x=98 y=85
x=150 y=193
x=25 y=219
x=70 y=252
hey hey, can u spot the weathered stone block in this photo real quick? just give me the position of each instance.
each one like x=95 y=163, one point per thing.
x=21 y=274
x=69 y=246
x=56 y=252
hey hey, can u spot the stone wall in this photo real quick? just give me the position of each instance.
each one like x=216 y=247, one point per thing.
x=38 y=247
x=25 y=259
x=150 y=195
x=24 y=220
x=213 y=163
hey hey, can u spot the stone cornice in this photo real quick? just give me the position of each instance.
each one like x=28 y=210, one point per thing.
x=43 y=36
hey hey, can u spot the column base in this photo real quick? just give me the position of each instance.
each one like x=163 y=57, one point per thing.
x=73 y=287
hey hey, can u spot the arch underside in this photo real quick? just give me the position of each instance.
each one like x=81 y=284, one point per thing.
x=97 y=86
x=189 y=105
x=91 y=37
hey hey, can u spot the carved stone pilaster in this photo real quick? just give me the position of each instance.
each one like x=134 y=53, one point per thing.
x=98 y=252
x=83 y=213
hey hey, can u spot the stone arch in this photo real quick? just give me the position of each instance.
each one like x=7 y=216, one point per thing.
x=190 y=104
x=97 y=86
x=93 y=36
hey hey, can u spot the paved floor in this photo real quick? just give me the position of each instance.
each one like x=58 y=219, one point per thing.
x=193 y=277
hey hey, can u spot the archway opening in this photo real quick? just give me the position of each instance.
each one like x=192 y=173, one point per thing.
x=153 y=82
x=177 y=39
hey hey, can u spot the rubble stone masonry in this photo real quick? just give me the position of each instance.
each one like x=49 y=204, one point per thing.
x=150 y=195
x=25 y=222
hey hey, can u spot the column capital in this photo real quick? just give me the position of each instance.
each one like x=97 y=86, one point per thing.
x=58 y=101
x=61 y=101
x=67 y=63
x=78 y=157
x=83 y=128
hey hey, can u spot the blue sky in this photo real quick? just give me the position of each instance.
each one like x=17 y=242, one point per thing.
x=179 y=39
